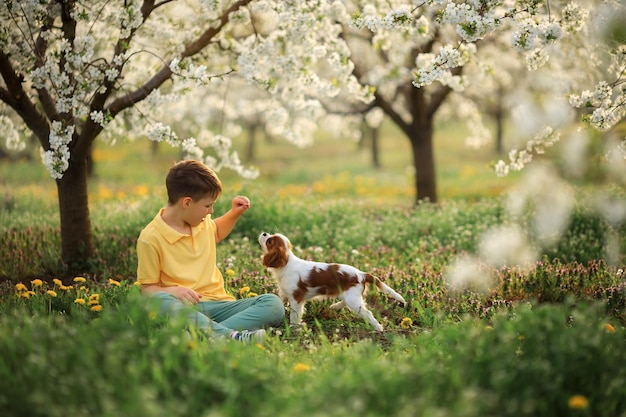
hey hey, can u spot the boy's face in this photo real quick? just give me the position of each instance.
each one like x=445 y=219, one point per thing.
x=197 y=210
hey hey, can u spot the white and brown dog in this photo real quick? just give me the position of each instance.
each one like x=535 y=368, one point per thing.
x=300 y=280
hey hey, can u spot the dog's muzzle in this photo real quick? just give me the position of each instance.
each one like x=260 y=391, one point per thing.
x=262 y=238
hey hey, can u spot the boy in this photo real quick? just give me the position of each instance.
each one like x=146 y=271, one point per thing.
x=177 y=258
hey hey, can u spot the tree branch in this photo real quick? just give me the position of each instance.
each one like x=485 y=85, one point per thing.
x=389 y=111
x=382 y=103
x=91 y=129
x=16 y=98
x=46 y=100
x=165 y=73
x=69 y=34
x=440 y=95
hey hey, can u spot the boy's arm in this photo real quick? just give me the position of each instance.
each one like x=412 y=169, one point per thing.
x=184 y=294
x=226 y=222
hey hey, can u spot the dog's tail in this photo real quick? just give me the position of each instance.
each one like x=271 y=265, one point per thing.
x=371 y=279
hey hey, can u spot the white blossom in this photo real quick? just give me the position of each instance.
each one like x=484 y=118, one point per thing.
x=472 y=23
x=374 y=117
x=501 y=168
x=467 y=271
x=57 y=158
x=191 y=149
x=13 y=142
x=536 y=59
x=158 y=132
x=130 y=17
x=574 y=17
x=507 y=245
x=550 y=200
x=518 y=159
x=97 y=117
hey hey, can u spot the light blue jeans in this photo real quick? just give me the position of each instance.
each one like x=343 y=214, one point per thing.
x=221 y=318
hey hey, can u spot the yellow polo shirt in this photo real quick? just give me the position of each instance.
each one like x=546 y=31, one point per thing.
x=169 y=258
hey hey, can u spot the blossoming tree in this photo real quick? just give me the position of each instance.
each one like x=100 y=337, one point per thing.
x=70 y=69
x=445 y=49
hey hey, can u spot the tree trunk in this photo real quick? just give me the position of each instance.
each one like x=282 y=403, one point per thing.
x=424 y=162
x=251 y=145
x=76 y=237
x=499 y=132
x=90 y=162
x=499 y=116
x=375 y=150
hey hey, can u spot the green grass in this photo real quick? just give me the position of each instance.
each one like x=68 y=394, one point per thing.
x=532 y=360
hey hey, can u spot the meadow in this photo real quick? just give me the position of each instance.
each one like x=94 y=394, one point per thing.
x=541 y=341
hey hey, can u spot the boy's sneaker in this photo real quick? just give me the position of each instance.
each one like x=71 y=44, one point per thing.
x=249 y=337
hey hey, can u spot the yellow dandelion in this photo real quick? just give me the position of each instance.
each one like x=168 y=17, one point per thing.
x=230 y=272
x=36 y=283
x=152 y=315
x=80 y=279
x=30 y=293
x=57 y=282
x=65 y=287
x=105 y=193
x=301 y=367
x=96 y=308
x=252 y=294
x=141 y=190
x=24 y=294
x=192 y=344
x=93 y=302
x=578 y=402
x=94 y=298
x=406 y=323
x=83 y=288
x=21 y=287
x=488 y=327
x=244 y=290
x=80 y=301
x=114 y=282
x=51 y=293
x=260 y=346
x=137 y=284
x=609 y=328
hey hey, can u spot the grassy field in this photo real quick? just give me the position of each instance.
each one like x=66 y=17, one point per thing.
x=541 y=340
x=133 y=169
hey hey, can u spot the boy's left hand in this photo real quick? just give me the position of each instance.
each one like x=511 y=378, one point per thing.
x=240 y=204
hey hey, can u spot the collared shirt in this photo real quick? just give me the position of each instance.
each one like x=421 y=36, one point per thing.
x=169 y=258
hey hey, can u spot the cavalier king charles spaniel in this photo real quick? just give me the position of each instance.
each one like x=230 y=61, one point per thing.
x=300 y=280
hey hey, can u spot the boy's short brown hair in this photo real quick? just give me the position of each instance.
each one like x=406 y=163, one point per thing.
x=191 y=179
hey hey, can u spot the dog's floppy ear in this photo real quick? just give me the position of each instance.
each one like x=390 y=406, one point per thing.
x=276 y=258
